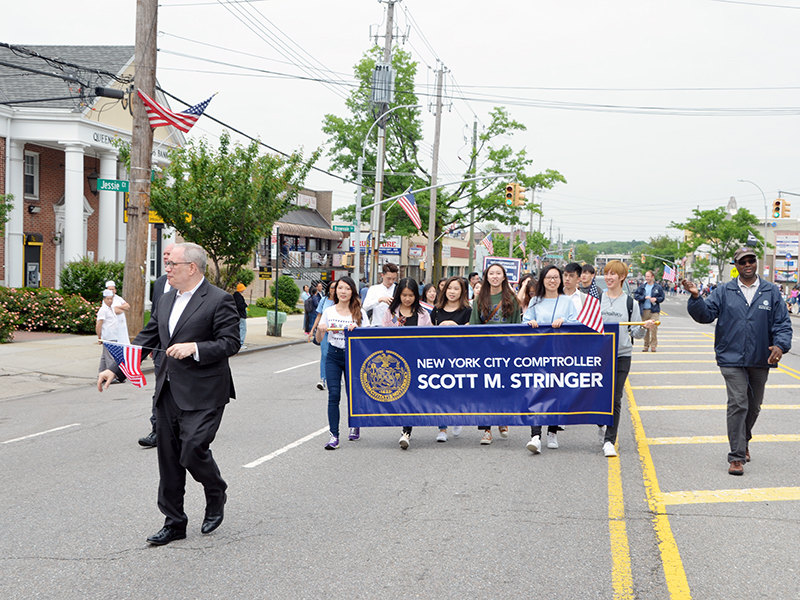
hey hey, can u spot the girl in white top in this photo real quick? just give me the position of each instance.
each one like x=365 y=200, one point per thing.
x=549 y=306
x=346 y=313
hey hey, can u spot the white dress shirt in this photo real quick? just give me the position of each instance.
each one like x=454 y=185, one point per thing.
x=181 y=300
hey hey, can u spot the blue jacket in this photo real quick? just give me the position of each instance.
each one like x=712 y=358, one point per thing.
x=744 y=333
x=658 y=293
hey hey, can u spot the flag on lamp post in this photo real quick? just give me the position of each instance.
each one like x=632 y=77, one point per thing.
x=410 y=206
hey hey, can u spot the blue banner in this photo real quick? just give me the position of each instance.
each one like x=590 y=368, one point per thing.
x=481 y=375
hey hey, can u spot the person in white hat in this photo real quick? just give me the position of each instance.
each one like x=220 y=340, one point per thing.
x=120 y=308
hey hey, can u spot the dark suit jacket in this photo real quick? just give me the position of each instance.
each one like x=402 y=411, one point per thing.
x=211 y=320
x=158 y=291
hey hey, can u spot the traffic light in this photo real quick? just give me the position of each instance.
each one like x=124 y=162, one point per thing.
x=642 y=258
x=787 y=206
x=511 y=193
x=519 y=196
x=777 y=208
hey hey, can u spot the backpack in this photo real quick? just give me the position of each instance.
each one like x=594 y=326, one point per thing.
x=308 y=304
x=630 y=316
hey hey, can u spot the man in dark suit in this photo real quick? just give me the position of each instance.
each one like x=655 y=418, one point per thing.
x=198 y=325
x=160 y=286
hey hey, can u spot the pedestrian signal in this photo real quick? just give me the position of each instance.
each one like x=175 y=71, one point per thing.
x=777 y=208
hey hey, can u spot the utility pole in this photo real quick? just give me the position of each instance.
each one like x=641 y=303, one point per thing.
x=434 y=258
x=474 y=188
x=141 y=165
x=376 y=219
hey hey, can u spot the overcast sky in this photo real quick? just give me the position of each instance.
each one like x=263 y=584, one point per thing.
x=620 y=70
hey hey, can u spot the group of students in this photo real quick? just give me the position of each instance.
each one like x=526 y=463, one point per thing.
x=553 y=300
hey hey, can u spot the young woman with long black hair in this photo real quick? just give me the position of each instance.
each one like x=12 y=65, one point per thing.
x=346 y=313
x=495 y=304
x=452 y=308
x=406 y=311
x=549 y=306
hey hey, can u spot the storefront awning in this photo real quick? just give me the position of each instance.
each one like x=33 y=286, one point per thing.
x=309 y=232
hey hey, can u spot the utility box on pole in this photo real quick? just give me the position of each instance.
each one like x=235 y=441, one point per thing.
x=383 y=84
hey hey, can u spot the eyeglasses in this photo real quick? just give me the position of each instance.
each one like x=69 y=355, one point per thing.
x=746 y=261
x=171 y=265
x=553 y=278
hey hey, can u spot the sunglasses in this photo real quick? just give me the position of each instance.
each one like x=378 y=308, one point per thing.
x=746 y=261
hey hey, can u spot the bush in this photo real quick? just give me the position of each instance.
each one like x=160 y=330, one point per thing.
x=269 y=303
x=45 y=309
x=288 y=292
x=88 y=278
x=243 y=275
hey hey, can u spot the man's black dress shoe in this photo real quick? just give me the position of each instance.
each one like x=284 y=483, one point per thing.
x=148 y=441
x=166 y=535
x=214 y=517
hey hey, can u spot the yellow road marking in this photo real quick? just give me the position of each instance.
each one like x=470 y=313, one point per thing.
x=621 y=576
x=745 y=495
x=674 y=372
x=714 y=407
x=674 y=572
x=778 y=386
x=788 y=371
x=722 y=439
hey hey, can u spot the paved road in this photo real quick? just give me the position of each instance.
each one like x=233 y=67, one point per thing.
x=372 y=521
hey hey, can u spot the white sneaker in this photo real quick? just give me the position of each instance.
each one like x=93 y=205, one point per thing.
x=552 y=441
x=535 y=445
x=503 y=429
x=321 y=384
x=487 y=437
x=608 y=449
x=404 y=440
x=601 y=434
x=457 y=430
x=442 y=437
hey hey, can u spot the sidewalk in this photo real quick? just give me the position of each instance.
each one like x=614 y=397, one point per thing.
x=38 y=362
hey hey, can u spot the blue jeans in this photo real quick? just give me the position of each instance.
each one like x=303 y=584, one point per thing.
x=242 y=330
x=335 y=367
x=323 y=348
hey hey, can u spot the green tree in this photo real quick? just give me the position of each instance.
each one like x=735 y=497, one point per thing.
x=584 y=253
x=700 y=268
x=6 y=204
x=227 y=200
x=723 y=233
x=404 y=167
x=661 y=246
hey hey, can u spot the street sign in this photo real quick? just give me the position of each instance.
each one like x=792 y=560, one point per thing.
x=265 y=273
x=349 y=228
x=788 y=256
x=112 y=185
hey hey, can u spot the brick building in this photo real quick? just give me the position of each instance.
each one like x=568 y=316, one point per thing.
x=55 y=142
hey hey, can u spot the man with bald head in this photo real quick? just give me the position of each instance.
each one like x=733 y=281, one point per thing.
x=198 y=325
x=160 y=286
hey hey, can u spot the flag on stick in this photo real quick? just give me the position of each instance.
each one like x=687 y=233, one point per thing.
x=410 y=206
x=590 y=314
x=129 y=359
x=669 y=273
x=161 y=116
x=487 y=241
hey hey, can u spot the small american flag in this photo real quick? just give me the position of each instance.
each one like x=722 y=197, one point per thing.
x=161 y=116
x=129 y=359
x=669 y=273
x=590 y=314
x=487 y=241
x=410 y=206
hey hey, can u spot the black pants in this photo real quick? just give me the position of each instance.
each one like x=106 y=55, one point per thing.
x=184 y=437
x=537 y=429
x=623 y=368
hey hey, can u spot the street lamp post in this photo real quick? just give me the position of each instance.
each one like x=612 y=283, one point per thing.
x=359 y=191
x=766 y=216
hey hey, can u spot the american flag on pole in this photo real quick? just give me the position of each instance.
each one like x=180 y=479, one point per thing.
x=410 y=206
x=522 y=245
x=487 y=241
x=669 y=273
x=590 y=314
x=161 y=116
x=129 y=359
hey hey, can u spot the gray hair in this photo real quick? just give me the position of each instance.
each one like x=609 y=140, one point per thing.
x=194 y=254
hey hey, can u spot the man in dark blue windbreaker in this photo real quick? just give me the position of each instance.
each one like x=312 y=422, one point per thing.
x=752 y=334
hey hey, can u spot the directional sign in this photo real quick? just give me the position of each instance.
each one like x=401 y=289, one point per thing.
x=349 y=228
x=112 y=185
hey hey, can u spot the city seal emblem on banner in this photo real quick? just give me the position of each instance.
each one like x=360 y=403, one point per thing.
x=385 y=376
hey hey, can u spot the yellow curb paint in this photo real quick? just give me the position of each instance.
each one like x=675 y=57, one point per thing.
x=621 y=577
x=674 y=572
x=721 y=439
x=714 y=407
x=779 y=386
x=745 y=495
